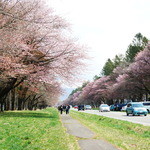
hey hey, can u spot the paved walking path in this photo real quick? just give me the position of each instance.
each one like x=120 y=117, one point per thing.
x=74 y=127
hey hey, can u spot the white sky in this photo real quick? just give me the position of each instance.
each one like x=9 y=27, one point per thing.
x=106 y=26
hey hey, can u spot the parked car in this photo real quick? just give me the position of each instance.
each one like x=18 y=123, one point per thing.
x=112 y=107
x=118 y=107
x=124 y=108
x=88 y=107
x=104 y=107
x=147 y=105
x=81 y=107
x=76 y=106
x=136 y=108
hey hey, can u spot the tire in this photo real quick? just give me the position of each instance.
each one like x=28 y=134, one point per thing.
x=145 y=114
x=127 y=113
x=133 y=113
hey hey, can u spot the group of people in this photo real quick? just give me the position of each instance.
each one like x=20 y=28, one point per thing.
x=64 y=108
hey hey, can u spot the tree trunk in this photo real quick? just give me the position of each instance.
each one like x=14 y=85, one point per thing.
x=19 y=104
x=7 y=102
x=13 y=99
x=146 y=96
x=1 y=106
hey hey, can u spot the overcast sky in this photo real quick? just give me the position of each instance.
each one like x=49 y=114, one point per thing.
x=106 y=26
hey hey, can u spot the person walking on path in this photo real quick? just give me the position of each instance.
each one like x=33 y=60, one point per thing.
x=60 y=108
x=64 y=108
x=67 y=109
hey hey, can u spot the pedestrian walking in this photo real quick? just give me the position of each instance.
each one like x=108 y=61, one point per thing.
x=60 y=108
x=64 y=108
x=67 y=109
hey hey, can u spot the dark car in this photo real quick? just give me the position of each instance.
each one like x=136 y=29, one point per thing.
x=118 y=107
x=81 y=107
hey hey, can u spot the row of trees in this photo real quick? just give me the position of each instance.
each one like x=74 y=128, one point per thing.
x=37 y=54
x=122 y=78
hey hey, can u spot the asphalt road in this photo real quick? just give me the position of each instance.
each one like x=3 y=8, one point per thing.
x=144 y=120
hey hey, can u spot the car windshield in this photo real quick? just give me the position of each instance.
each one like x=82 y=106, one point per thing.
x=88 y=106
x=137 y=105
x=104 y=105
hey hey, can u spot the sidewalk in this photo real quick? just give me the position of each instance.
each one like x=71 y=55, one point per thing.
x=74 y=127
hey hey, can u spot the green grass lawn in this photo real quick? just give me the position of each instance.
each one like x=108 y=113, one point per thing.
x=34 y=130
x=123 y=134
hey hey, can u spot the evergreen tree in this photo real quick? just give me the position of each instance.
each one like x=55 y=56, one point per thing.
x=138 y=44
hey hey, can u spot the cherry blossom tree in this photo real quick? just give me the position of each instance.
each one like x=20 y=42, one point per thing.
x=128 y=81
x=132 y=82
x=35 y=46
x=139 y=70
x=93 y=93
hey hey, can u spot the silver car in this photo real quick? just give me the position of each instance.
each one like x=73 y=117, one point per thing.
x=88 y=107
x=147 y=105
x=104 y=107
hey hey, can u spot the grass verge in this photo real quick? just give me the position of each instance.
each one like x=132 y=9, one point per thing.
x=123 y=134
x=34 y=130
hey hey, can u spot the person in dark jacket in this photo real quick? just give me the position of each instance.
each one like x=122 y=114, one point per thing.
x=60 y=108
x=64 y=108
x=67 y=109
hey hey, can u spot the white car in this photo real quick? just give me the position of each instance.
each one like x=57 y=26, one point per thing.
x=88 y=107
x=147 y=105
x=124 y=108
x=104 y=107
